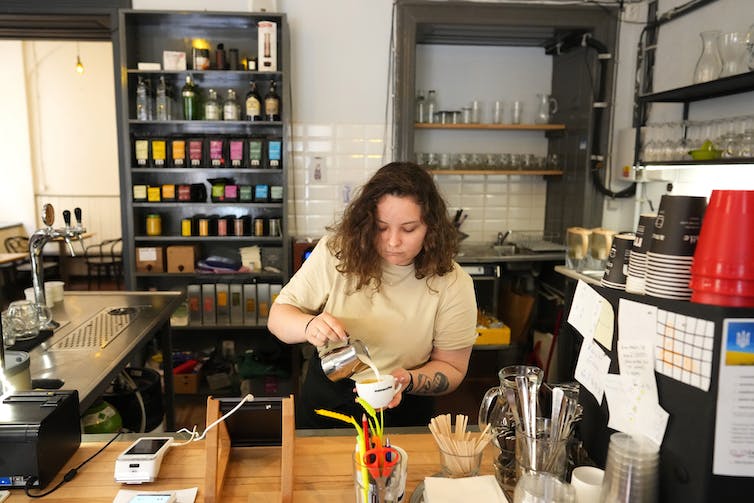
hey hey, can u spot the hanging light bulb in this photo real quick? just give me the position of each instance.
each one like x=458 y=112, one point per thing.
x=79 y=64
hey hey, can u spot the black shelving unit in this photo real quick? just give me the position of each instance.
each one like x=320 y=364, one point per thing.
x=143 y=36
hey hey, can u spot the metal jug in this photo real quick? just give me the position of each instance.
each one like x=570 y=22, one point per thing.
x=344 y=361
x=494 y=409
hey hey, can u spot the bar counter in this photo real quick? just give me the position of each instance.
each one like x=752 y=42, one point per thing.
x=322 y=468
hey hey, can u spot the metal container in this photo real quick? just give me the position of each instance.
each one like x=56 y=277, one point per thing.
x=16 y=370
x=343 y=361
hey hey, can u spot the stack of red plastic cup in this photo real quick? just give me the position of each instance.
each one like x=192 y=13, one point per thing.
x=722 y=272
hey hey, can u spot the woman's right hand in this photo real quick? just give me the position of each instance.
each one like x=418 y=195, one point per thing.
x=324 y=328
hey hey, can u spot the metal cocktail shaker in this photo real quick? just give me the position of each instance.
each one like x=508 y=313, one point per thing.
x=344 y=361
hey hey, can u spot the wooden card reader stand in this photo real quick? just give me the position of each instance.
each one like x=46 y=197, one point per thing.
x=260 y=422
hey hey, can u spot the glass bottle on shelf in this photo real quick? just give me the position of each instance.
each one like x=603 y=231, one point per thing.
x=143 y=108
x=188 y=95
x=421 y=109
x=231 y=110
x=431 y=106
x=212 y=107
x=709 y=65
x=253 y=104
x=163 y=104
x=272 y=104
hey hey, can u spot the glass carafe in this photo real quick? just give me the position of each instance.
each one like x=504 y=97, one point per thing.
x=709 y=65
x=494 y=409
x=732 y=47
x=547 y=107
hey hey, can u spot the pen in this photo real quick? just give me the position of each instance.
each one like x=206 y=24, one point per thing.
x=388 y=455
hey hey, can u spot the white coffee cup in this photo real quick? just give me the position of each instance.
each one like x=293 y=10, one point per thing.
x=54 y=290
x=378 y=393
x=587 y=482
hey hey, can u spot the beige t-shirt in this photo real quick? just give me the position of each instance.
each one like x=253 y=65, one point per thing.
x=402 y=322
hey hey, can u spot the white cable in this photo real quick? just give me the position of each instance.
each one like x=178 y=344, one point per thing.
x=193 y=433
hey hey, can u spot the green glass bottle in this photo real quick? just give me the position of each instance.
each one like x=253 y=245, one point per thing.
x=190 y=105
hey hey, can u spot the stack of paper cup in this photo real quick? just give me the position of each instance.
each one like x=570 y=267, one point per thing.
x=676 y=230
x=631 y=472
x=637 y=264
x=616 y=268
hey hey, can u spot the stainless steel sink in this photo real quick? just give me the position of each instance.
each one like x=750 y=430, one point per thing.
x=505 y=250
x=483 y=250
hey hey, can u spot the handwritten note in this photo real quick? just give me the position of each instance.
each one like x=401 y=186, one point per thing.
x=592 y=315
x=591 y=368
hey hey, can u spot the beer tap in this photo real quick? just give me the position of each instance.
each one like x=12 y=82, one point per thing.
x=42 y=236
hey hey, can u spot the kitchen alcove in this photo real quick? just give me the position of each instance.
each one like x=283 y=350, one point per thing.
x=562 y=36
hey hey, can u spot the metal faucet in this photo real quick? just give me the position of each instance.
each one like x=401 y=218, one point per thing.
x=41 y=237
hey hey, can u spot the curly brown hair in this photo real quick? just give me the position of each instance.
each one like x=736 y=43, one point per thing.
x=355 y=235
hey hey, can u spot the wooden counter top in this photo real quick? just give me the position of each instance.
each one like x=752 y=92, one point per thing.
x=322 y=471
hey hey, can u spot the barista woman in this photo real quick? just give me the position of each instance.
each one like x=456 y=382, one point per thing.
x=385 y=274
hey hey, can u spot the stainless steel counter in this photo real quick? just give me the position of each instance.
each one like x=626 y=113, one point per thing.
x=92 y=346
x=482 y=253
x=592 y=277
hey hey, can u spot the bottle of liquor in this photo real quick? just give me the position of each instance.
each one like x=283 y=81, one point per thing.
x=163 y=103
x=212 y=107
x=421 y=108
x=231 y=110
x=272 y=104
x=142 y=101
x=253 y=104
x=431 y=106
x=190 y=102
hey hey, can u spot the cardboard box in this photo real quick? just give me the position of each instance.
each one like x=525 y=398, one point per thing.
x=501 y=335
x=250 y=304
x=222 y=304
x=185 y=384
x=181 y=258
x=150 y=259
x=194 y=303
x=208 y=304
x=236 y=304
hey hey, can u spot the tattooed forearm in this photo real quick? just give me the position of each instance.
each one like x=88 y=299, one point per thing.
x=428 y=385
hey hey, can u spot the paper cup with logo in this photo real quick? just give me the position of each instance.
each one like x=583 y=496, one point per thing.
x=616 y=269
x=677 y=226
x=378 y=392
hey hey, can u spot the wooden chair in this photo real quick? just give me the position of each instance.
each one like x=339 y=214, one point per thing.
x=104 y=260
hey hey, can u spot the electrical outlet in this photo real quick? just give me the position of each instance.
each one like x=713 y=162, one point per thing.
x=634 y=12
x=317 y=169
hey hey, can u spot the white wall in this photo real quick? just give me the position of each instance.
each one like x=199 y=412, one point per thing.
x=61 y=135
x=16 y=192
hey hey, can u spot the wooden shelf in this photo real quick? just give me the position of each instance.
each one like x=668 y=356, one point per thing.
x=493 y=127
x=529 y=172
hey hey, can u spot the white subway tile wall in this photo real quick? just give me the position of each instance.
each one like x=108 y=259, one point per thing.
x=331 y=161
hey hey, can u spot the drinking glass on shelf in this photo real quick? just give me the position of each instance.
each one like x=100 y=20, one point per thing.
x=505 y=161
x=515 y=161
